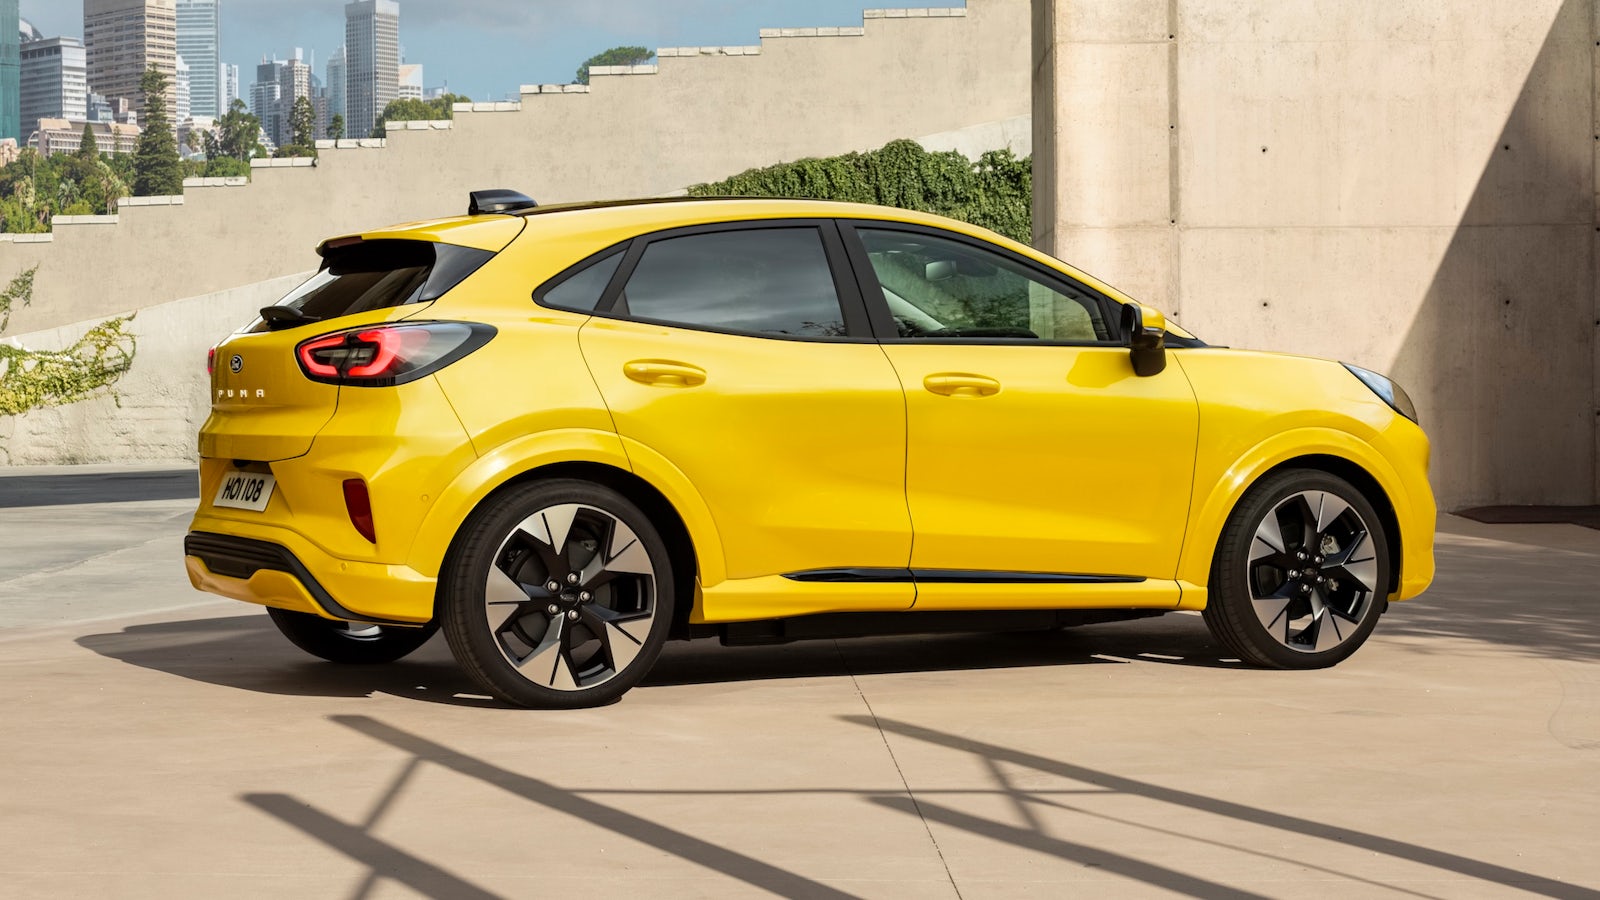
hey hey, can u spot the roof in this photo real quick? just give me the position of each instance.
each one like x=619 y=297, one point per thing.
x=607 y=222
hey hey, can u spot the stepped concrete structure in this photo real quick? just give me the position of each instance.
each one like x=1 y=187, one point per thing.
x=699 y=114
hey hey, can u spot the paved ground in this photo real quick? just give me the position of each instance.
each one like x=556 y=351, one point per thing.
x=156 y=744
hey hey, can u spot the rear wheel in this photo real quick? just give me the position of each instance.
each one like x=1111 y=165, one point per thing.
x=558 y=595
x=356 y=643
x=1301 y=572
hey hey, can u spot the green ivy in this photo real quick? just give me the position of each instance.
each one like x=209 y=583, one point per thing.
x=18 y=292
x=996 y=192
x=34 y=379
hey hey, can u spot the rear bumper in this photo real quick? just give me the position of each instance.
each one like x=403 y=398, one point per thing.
x=277 y=570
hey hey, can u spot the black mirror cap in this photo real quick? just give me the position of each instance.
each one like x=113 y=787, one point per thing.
x=498 y=200
x=1147 y=347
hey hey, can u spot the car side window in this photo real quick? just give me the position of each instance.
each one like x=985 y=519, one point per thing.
x=940 y=288
x=580 y=290
x=765 y=281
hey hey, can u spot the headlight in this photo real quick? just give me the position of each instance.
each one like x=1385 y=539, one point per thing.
x=1392 y=394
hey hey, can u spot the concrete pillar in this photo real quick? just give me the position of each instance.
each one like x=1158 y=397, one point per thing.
x=1104 y=139
x=1409 y=186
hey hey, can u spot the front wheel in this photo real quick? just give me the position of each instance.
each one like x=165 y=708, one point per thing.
x=1301 y=573
x=559 y=594
x=356 y=643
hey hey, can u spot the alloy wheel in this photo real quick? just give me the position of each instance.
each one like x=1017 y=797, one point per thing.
x=570 y=597
x=1312 y=571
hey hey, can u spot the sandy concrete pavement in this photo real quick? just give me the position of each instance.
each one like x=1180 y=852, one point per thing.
x=192 y=752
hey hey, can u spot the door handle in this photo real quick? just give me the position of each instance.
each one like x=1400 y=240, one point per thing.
x=664 y=373
x=961 y=384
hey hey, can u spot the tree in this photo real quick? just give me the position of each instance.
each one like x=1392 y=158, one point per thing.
x=89 y=148
x=410 y=109
x=302 y=127
x=155 y=162
x=336 y=127
x=226 y=167
x=616 y=56
x=237 y=135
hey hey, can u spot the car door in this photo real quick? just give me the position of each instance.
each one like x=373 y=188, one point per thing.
x=1040 y=469
x=741 y=355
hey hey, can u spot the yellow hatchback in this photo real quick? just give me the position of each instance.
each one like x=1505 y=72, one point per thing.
x=568 y=434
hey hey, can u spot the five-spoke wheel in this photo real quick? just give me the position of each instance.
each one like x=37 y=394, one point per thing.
x=560 y=595
x=1301 y=572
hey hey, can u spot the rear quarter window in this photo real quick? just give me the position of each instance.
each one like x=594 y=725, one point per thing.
x=372 y=275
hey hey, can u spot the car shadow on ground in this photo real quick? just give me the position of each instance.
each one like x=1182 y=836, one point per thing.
x=247 y=653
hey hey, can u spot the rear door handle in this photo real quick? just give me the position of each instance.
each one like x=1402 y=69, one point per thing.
x=961 y=384
x=664 y=373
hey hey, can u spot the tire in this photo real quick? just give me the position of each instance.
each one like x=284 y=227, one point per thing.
x=557 y=595
x=353 y=643
x=1301 y=572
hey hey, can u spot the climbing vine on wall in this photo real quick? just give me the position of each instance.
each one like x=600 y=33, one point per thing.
x=995 y=192
x=33 y=379
x=19 y=292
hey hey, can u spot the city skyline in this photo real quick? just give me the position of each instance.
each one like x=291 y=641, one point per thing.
x=451 y=37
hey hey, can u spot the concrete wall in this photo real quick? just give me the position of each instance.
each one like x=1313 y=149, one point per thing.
x=700 y=115
x=1404 y=184
x=154 y=411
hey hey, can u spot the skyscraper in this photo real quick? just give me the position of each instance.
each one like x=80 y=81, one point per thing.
x=372 y=62
x=335 y=79
x=294 y=82
x=54 y=84
x=230 y=86
x=200 y=43
x=11 y=71
x=180 y=94
x=264 y=96
x=125 y=37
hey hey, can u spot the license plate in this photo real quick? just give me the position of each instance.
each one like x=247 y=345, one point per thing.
x=245 y=490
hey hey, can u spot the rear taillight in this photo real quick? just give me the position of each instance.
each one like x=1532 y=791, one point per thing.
x=211 y=360
x=389 y=354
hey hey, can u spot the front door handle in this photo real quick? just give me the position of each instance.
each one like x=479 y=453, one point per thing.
x=961 y=384
x=664 y=373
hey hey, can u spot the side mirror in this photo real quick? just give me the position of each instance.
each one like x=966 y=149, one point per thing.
x=1146 y=330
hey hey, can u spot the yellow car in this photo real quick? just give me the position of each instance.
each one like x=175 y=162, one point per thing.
x=567 y=434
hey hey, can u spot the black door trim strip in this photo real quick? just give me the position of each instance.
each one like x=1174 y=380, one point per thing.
x=953 y=576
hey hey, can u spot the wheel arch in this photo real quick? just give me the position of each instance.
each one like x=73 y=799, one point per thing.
x=1339 y=454
x=1361 y=480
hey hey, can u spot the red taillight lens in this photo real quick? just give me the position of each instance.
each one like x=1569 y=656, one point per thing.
x=359 y=504
x=211 y=360
x=392 y=354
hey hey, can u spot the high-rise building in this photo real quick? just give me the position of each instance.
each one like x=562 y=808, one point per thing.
x=54 y=82
x=294 y=82
x=335 y=78
x=264 y=96
x=230 y=86
x=410 y=84
x=200 y=44
x=11 y=71
x=125 y=37
x=181 y=98
x=372 y=62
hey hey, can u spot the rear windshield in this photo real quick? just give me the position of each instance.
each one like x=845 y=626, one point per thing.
x=371 y=275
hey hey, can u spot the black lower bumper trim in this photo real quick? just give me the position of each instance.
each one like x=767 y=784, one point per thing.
x=237 y=557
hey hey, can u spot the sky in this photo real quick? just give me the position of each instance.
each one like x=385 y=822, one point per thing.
x=487 y=48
